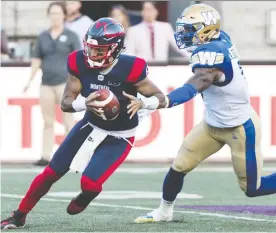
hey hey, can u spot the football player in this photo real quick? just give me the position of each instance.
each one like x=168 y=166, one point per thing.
x=99 y=66
x=228 y=119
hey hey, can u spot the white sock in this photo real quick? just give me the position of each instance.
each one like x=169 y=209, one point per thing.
x=166 y=205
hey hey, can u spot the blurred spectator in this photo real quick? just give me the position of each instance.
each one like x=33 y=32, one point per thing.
x=51 y=51
x=119 y=13
x=5 y=52
x=77 y=22
x=151 y=39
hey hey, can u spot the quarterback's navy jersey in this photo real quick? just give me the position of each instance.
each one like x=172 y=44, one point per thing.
x=126 y=72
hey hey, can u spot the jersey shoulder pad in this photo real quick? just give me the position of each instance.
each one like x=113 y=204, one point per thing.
x=209 y=55
x=72 y=63
x=135 y=68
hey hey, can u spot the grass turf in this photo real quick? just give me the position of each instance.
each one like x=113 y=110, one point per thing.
x=117 y=213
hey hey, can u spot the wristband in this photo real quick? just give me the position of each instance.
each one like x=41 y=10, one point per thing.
x=151 y=103
x=79 y=104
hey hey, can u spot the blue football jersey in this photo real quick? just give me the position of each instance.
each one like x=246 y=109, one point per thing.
x=226 y=100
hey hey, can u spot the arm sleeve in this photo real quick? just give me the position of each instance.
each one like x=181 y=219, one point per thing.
x=72 y=67
x=182 y=95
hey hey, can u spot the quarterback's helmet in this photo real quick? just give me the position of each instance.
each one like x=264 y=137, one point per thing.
x=103 y=42
x=197 y=24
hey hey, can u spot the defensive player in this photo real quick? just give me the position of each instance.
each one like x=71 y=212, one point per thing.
x=229 y=118
x=99 y=66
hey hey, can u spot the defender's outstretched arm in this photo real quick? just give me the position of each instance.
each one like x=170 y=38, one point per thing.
x=202 y=79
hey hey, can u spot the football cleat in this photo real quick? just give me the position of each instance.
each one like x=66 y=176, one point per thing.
x=80 y=202
x=16 y=220
x=157 y=215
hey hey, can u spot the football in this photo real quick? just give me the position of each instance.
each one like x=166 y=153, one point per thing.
x=112 y=104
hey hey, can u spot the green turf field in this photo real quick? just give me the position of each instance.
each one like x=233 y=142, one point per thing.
x=211 y=201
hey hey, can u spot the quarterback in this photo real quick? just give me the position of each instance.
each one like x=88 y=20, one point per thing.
x=228 y=119
x=100 y=66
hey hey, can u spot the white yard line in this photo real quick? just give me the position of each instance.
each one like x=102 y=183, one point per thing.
x=147 y=209
x=137 y=170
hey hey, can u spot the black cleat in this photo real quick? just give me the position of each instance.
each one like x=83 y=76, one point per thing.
x=42 y=163
x=80 y=202
x=17 y=220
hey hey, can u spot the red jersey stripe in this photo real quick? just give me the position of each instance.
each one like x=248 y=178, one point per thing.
x=136 y=70
x=72 y=62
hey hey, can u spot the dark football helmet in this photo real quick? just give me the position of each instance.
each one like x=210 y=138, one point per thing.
x=103 y=42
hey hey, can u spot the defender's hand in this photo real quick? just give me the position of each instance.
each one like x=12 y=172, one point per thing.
x=134 y=106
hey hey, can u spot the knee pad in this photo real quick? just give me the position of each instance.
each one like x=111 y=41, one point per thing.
x=185 y=164
x=177 y=167
x=88 y=185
